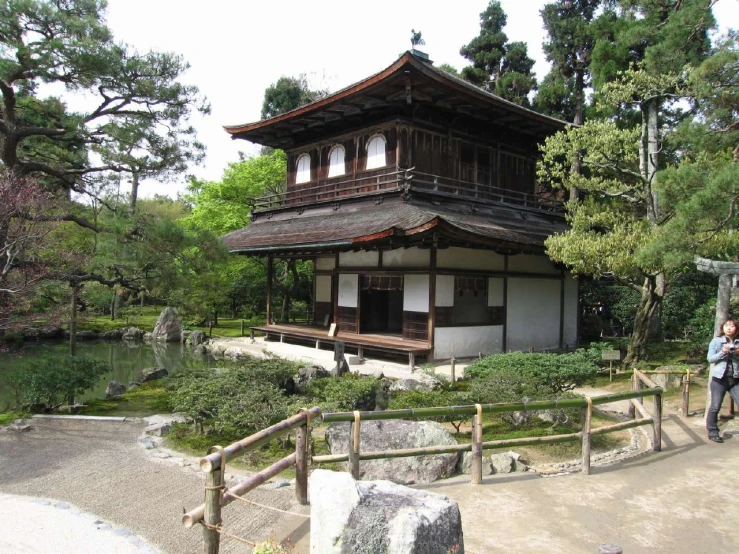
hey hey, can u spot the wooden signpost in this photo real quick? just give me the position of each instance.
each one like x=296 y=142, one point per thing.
x=611 y=356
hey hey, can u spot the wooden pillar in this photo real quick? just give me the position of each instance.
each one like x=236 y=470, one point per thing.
x=301 y=464
x=476 y=468
x=686 y=395
x=213 y=494
x=632 y=410
x=657 y=416
x=587 y=418
x=562 y=311
x=432 y=299
x=411 y=361
x=505 y=302
x=270 y=267
x=354 y=448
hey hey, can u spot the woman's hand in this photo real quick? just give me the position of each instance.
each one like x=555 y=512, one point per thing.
x=725 y=349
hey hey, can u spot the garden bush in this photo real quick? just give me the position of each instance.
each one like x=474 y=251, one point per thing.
x=558 y=372
x=348 y=392
x=432 y=399
x=48 y=383
x=230 y=402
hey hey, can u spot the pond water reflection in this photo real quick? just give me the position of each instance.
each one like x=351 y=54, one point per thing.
x=126 y=360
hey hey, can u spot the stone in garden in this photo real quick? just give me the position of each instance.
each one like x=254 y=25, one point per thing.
x=152 y=374
x=421 y=385
x=307 y=373
x=133 y=385
x=185 y=336
x=492 y=462
x=365 y=517
x=114 y=334
x=731 y=429
x=168 y=327
x=50 y=332
x=396 y=435
x=158 y=429
x=667 y=381
x=197 y=338
x=146 y=337
x=114 y=389
x=354 y=360
x=502 y=463
x=132 y=333
x=87 y=335
x=20 y=425
x=341 y=370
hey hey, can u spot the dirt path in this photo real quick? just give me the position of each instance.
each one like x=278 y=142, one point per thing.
x=100 y=467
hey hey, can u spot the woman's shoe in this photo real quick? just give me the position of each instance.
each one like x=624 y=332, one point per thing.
x=715 y=438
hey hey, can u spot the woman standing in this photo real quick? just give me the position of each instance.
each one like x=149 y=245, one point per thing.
x=723 y=354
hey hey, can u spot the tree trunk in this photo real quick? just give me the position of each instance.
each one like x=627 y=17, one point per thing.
x=113 y=302
x=578 y=120
x=723 y=302
x=73 y=321
x=286 y=301
x=134 y=192
x=653 y=291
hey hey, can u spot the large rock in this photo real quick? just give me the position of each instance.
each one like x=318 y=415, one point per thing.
x=422 y=385
x=114 y=334
x=493 y=462
x=352 y=517
x=168 y=327
x=667 y=381
x=114 y=389
x=152 y=374
x=197 y=338
x=308 y=373
x=132 y=333
x=397 y=435
x=87 y=335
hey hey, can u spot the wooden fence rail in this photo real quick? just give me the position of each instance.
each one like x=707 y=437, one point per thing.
x=217 y=496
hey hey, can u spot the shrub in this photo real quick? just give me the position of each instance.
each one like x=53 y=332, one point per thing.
x=232 y=402
x=431 y=399
x=558 y=372
x=348 y=392
x=49 y=382
x=272 y=546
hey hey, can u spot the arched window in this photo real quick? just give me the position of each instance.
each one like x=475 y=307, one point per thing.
x=303 y=169
x=336 y=165
x=376 y=152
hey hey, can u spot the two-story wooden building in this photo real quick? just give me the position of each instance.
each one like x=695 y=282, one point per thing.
x=416 y=195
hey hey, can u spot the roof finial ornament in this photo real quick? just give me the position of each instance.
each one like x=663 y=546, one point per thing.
x=416 y=39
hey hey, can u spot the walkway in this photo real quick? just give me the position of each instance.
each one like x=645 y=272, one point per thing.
x=679 y=501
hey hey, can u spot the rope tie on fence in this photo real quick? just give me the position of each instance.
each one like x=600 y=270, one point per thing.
x=219 y=529
x=222 y=485
x=307 y=431
x=589 y=422
x=266 y=507
x=356 y=431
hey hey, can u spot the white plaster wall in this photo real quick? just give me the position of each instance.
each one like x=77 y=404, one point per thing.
x=325 y=264
x=526 y=263
x=323 y=288
x=406 y=257
x=467 y=341
x=532 y=314
x=495 y=292
x=359 y=259
x=416 y=293
x=469 y=258
x=348 y=289
x=571 y=309
x=444 y=291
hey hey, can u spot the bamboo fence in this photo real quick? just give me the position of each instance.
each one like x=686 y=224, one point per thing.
x=218 y=496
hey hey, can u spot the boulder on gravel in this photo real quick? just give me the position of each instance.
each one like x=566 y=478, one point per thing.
x=493 y=463
x=408 y=385
x=196 y=338
x=380 y=516
x=20 y=425
x=168 y=327
x=114 y=389
x=152 y=374
x=397 y=435
x=307 y=373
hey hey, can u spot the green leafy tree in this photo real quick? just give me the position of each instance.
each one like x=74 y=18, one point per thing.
x=289 y=93
x=498 y=66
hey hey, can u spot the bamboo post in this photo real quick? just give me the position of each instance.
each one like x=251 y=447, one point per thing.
x=242 y=328
x=212 y=516
x=476 y=469
x=632 y=410
x=610 y=371
x=657 y=423
x=354 y=446
x=454 y=363
x=301 y=463
x=587 y=419
x=686 y=394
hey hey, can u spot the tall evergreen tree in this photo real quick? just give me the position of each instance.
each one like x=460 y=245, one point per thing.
x=499 y=66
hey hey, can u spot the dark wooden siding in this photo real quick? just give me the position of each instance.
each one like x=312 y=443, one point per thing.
x=415 y=325
x=347 y=319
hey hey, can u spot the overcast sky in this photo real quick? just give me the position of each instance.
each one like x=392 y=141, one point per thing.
x=236 y=49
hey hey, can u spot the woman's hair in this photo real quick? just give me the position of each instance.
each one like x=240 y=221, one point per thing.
x=721 y=329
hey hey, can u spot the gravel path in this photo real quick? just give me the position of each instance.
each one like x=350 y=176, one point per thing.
x=101 y=468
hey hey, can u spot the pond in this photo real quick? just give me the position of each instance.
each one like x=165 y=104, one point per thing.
x=126 y=360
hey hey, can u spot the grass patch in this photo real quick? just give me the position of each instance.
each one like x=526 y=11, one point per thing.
x=145 y=400
x=9 y=417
